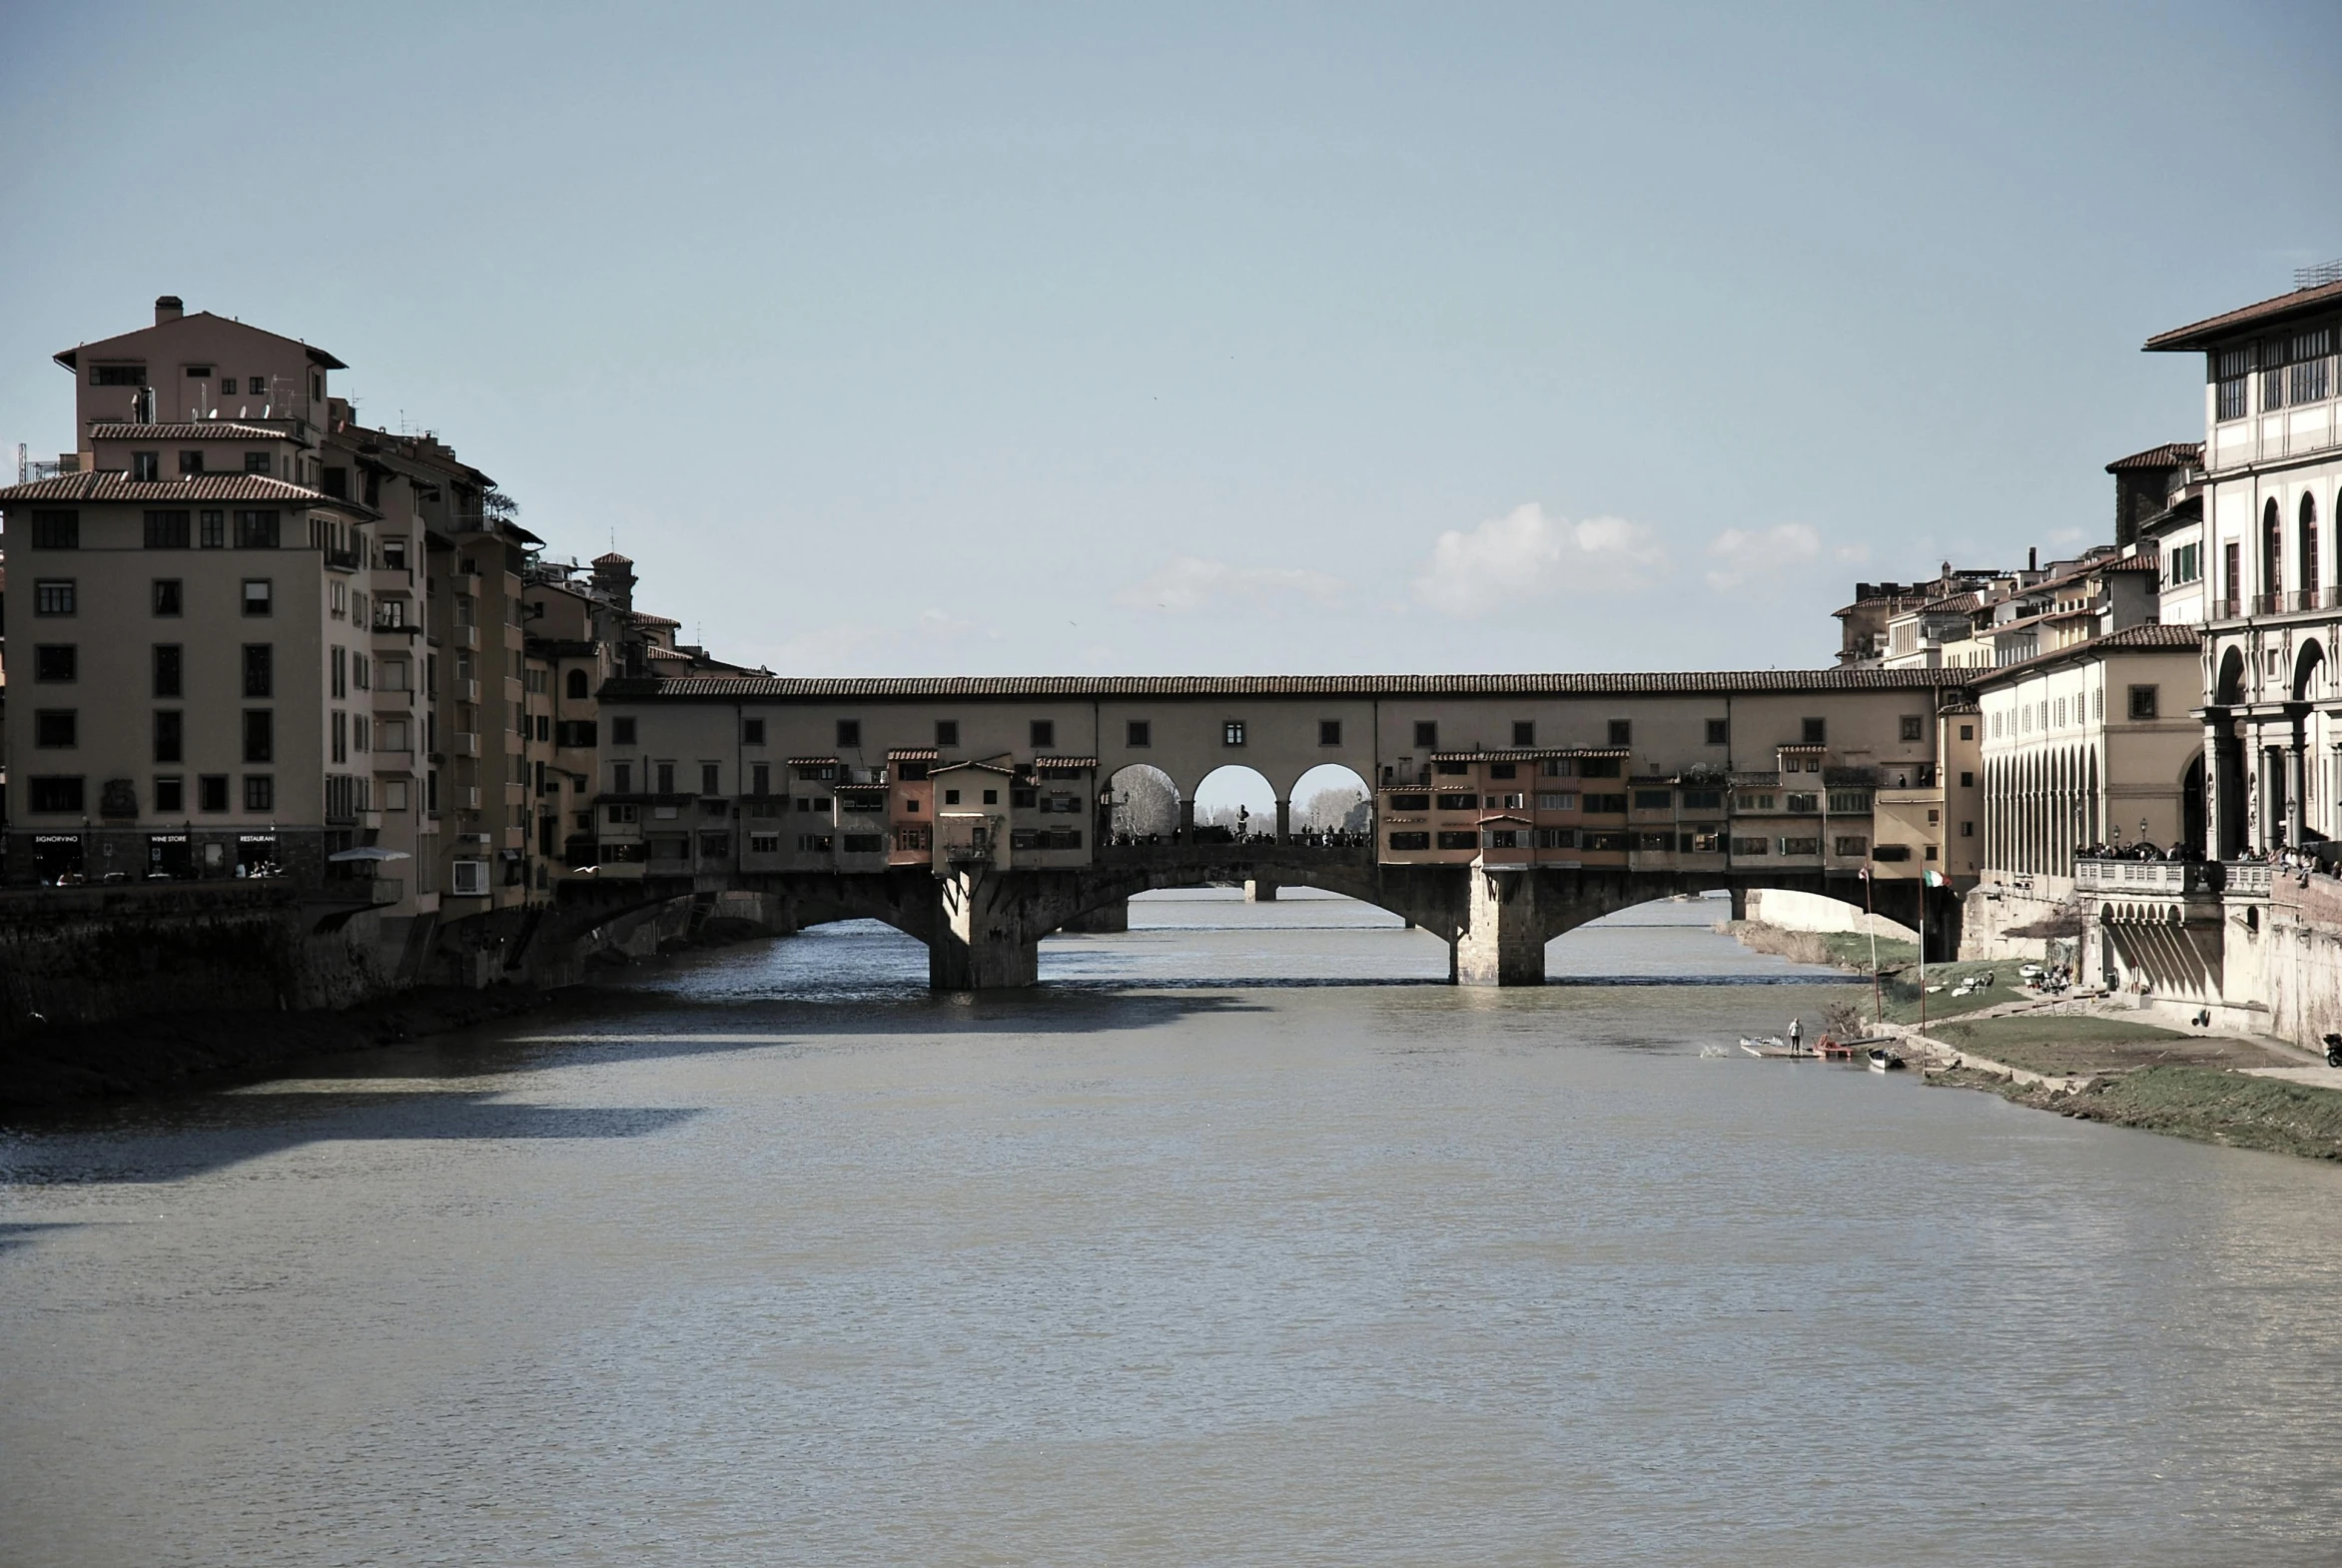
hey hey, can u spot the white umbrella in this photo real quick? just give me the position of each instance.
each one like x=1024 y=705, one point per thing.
x=369 y=852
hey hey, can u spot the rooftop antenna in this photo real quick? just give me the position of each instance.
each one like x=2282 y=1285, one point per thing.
x=23 y=463
x=2317 y=277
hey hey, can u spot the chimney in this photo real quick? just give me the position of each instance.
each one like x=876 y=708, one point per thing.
x=2033 y=558
x=169 y=307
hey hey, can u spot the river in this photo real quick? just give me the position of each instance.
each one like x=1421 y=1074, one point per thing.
x=1239 y=1241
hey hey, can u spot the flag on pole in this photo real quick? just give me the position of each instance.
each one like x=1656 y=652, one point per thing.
x=1934 y=879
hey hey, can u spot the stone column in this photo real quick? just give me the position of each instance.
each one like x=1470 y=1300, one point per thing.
x=1285 y=820
x=980 y=940
x=1260 y=890
x=1188 y=819
x=2294 y=788
x=1503 y=941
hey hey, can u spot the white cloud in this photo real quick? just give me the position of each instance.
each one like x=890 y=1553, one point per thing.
x=1188 y=584
x=1854 y=552
x=1525 y=554
x=1740 y=553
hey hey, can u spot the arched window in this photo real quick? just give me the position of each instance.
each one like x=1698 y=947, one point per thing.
x=577 y=683
x=2306 y=541
x=2272 y=554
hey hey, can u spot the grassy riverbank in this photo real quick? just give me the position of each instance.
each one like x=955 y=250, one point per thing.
x=2209 y=1104
x=1837 y=949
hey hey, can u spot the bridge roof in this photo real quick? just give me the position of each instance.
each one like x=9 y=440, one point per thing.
x=703 y=688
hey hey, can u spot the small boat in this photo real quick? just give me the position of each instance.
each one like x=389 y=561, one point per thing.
x=1884 y=1061
x=1773 y=1047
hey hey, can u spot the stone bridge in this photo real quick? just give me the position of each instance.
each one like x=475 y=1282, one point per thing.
x=982 y=926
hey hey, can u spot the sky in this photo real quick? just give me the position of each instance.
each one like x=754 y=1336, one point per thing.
x=958 y=339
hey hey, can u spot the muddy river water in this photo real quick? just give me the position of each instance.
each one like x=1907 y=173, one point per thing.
x=1239 y=1241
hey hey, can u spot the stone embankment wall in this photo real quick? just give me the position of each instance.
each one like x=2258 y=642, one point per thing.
x=87 y=955
x=1791 y=911
x=2289 y=961
x=1992 y=912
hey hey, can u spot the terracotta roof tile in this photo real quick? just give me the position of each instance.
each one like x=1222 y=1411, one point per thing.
x=2152 y=639
x=201 y=430
x=100 y=487
x=1067 y=687
x=2171 y=455
x=2198 y=334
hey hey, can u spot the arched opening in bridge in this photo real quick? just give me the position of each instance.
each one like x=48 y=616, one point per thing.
x=1786 y=937
x=1234 y=802
x=1142 y=805
x=1332 y=805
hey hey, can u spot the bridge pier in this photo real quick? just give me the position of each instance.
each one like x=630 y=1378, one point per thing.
x=982 y=940
x=1105 y=918
x=1260 y=890
x=1503 y=940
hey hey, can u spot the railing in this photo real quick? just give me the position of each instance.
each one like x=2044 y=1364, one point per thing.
x=348 y=560
x=386 y=890
x=2115 y=874
x=2295 y=600
x=2248 y=877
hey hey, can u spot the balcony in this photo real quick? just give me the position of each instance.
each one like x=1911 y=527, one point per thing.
x=467 y=636
x=464 y=691
x=464 y=744
x=344 y=561
x=2153 y=878
x=2294 y=602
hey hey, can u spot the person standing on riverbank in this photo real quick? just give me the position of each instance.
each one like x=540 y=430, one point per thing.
x=1796 y=1032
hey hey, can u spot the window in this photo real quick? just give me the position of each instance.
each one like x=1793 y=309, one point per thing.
x=1608 y=803
x=169 y=735
x=2231 y=371
x=1329 y=732
x=56 y=530
x=1967 y=780
x=1653 y=799
x=190 y=463
x=1801 y=846
x=665 y=774
x=1598 y=767
x=1426 y=735
x=2142 y=701
x=338 y=664
x=1459 y=803
x=211 y=529
x=622 y=732
x=1045 y=735
x=1622 y=732
x=1814 y=732
x=118 y=376
x=1466 y=838
x=761 y=779
x=56 y=794
x=260 y=735
x=259 y=670
x=1524 y=732
x=849 y=733
x=255 y=531
x=951 y=797
x=1914 y=726
x=1850 y=844
x=709 y=779
x=1967 y=732
x=258 y=462
x=260 y=792
x=53 y=596
x=470 y=878
x=1801 y=805
x=169 y=794
x=1139 y=734
x=169 y=596
x=210 y=792
x=145 y=466
x=1742 y=846
x=2306 y=381
x=55 y=729
x=1563 y=801
x=56 y=661
x=259 y=597
x=1231 y=733
x=991 y=797
x=1720 y=732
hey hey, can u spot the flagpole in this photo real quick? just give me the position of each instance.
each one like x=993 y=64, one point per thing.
x=1871 y=912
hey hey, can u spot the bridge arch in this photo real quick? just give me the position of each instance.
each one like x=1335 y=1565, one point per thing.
x=1237 y=793
x=1324 y=800
x=1142 y=804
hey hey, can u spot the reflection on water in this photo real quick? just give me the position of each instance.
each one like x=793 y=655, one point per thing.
x=771 y=1257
